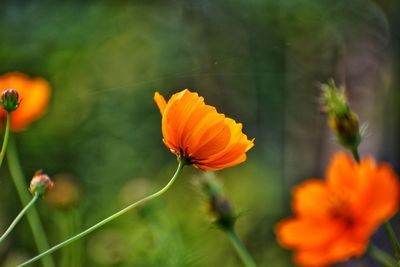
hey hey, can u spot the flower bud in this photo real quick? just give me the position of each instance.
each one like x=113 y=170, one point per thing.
x=219 y=206
x=10 y=100
x=40 y=183
x=342 y=120
x=222 y=210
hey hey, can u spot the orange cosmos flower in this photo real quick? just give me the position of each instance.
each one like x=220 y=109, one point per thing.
x=197 y=133
x=34 y=94
x=335 y=218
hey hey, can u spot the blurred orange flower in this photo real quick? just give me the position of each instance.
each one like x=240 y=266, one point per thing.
x=34 y=94
x=335 y=218
x=199 y=134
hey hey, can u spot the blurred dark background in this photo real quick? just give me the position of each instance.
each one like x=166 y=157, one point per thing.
x=258 y=61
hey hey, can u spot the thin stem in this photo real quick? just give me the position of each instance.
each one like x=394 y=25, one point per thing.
x=241 y=249
x=32 y=216
x=5 y=140
x=382 y=257
x=19 y=217
x=108 y=219
x=393 y=238
x=77 y=248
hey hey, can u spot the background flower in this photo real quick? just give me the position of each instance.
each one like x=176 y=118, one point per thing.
x=335 y=218
x=34 y=94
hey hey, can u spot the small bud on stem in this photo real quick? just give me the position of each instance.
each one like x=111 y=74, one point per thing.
x=40 y=183
x=342 y=120
x=10 y=100
x=219 y=206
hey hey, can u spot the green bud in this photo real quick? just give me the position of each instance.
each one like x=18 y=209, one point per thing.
x=10 y=100
x=219 y=206
x=342 y=120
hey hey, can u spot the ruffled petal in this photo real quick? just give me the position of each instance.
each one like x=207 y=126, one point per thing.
x=198 y=132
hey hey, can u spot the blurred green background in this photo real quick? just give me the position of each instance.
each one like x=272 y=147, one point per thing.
x=258 y=61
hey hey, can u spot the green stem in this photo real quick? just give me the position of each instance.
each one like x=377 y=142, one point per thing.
x=32 y=215
x=108 y=219
x=393 y=238
x=61 y=218
x=19 y=217
x=382 y=257
x=77 y=249
x=240 y=249
x=5 y=140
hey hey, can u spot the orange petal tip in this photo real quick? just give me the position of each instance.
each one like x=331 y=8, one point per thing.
x=160 y=101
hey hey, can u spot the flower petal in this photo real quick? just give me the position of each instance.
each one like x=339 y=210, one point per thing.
x=305 y=233
x=34 y=93
x=160 y=101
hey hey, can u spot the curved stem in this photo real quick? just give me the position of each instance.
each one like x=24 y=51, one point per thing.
x=5 y=140
x=35 y=224
x=18 y=218
x=393 y=238
x=108 y=219
x=241 y=249
x=77 y=249
x=382 y=257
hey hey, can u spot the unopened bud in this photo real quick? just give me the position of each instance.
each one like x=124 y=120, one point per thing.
x=343 y=121
x=40 y=184
x=346 y=129
x=10 y=100
x=220 y=208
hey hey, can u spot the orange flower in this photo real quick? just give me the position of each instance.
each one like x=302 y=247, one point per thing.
x=34 y=94
x=335 y=218
x=197 y=133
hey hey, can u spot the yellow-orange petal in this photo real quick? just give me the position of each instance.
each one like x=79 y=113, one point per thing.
x=236 y=151
x=250 y=144
x=201 y=135
x=215 y=142
x=194 y=104
x=169 y=123
x=203 y=129
x=213 y=167
x=238 y=144
x=160 y=101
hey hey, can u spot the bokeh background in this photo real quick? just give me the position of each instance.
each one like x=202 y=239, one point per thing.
x=258 y=61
